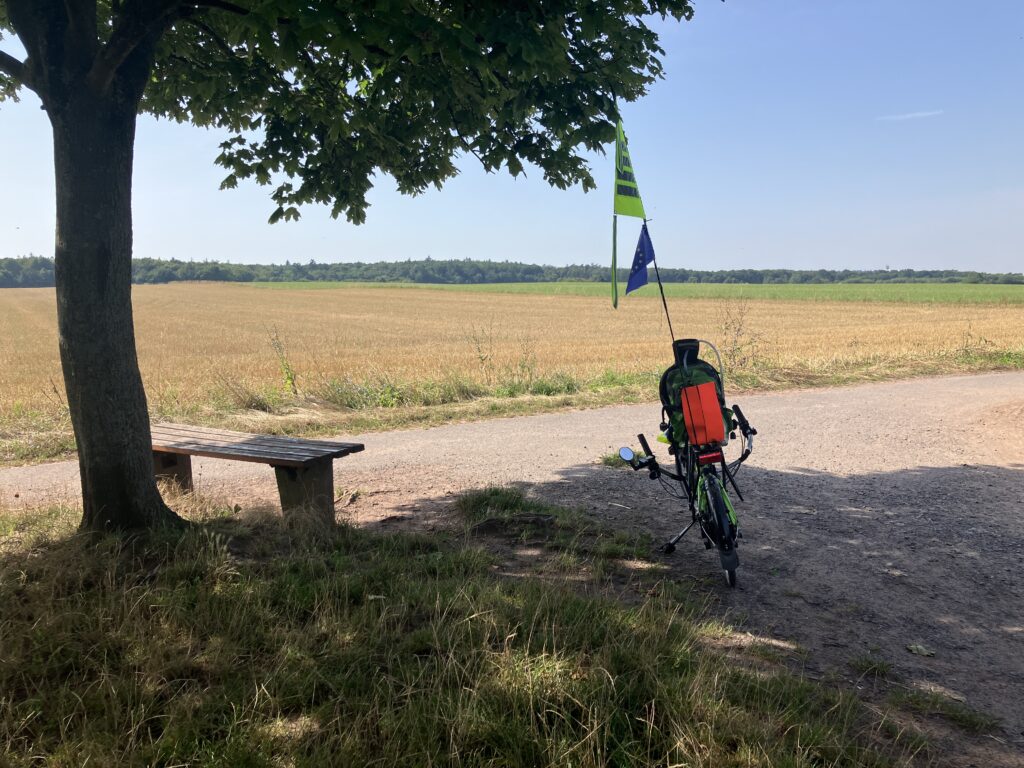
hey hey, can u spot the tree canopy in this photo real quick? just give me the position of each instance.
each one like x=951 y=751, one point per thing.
x=317 y=98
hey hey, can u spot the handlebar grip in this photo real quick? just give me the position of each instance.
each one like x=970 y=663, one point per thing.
x=644 y=445
x=745 y=427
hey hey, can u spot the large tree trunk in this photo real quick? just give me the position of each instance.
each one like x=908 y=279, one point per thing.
x=93 y=150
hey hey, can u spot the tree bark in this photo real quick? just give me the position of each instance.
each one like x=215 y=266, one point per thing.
x=94 y=136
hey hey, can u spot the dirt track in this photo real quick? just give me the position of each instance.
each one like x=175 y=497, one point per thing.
x=877 y=517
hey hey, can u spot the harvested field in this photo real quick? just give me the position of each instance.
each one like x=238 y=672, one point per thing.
x=304 y=360
x=942 y=293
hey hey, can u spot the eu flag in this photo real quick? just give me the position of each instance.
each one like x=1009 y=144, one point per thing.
x=644 y=255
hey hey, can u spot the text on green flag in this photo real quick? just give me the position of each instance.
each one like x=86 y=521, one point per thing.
x=627 y=193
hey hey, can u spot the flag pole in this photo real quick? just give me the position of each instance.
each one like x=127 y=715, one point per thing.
x=615 y=266
x=654 y=260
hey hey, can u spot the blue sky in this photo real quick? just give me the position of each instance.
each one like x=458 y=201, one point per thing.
x=801 y=134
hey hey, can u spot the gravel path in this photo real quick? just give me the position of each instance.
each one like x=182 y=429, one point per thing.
x=876 y=517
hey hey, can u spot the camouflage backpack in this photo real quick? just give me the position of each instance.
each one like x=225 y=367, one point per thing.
x=688 y=371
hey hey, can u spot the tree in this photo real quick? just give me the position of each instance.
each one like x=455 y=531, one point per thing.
x=316 y=98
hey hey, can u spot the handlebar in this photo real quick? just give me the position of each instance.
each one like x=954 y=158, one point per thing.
x=748 y=437
x=648 y=461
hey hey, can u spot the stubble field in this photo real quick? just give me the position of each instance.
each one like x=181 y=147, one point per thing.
x=315 y=359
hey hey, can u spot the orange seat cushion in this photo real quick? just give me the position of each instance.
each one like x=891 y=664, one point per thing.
x=702 y=414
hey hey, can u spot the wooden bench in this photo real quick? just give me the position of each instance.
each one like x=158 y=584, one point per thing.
x=304 y=468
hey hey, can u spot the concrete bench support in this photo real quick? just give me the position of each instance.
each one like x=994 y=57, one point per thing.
x=173 y=466
x=310 y=487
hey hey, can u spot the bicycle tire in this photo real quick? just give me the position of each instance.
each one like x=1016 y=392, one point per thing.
x=725 y=529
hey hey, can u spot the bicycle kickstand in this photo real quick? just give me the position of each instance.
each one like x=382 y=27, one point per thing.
x=670 y=546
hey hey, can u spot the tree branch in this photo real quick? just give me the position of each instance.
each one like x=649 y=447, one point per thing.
x=132 y=30
x=32 y=21
x=14 y=68
x=81 y=16
x=136 y=27
x=219 y=4
x=224 y=5
x=217 y=39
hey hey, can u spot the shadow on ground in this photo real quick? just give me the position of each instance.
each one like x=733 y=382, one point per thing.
x=856 y=570
x=254 y=639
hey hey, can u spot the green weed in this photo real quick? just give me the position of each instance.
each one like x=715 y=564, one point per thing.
x=869 y=665
x=237 y=395
x=287 y=370
x=613 y=460
x=935 y=704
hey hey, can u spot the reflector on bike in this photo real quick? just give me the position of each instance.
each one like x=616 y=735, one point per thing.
x=714 y=457
x=702 y=414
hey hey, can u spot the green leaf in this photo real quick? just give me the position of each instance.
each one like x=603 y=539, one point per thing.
x=321 y=98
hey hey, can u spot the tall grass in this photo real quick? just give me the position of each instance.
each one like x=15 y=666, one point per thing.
x=249 y=643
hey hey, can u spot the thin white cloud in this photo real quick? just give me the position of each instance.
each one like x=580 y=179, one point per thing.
x=909 y=116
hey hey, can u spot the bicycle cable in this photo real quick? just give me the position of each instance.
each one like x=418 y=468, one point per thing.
x=670 y=491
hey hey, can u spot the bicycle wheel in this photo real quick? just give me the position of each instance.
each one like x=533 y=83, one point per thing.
x=726 y=530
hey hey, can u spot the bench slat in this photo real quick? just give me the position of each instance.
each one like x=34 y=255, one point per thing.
x=230 y=452
x=224 y=444
x=175 y=431
x=225 y=435
x=251 y=446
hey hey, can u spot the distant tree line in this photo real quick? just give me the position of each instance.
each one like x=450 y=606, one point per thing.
x=37 y=271
x=26 y=272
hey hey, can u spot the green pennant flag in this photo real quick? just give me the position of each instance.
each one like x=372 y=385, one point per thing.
x=627 y=194
x=627 y=199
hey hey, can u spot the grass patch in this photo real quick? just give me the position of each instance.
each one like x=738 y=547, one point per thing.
x=28 y=446
x=249 y=643
x=390 y=393
x=904 y=733
x=613 y=460
x=868 y=665
x=934 y=704
x=767 y=652
x=505 y=511
x=232 y=395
